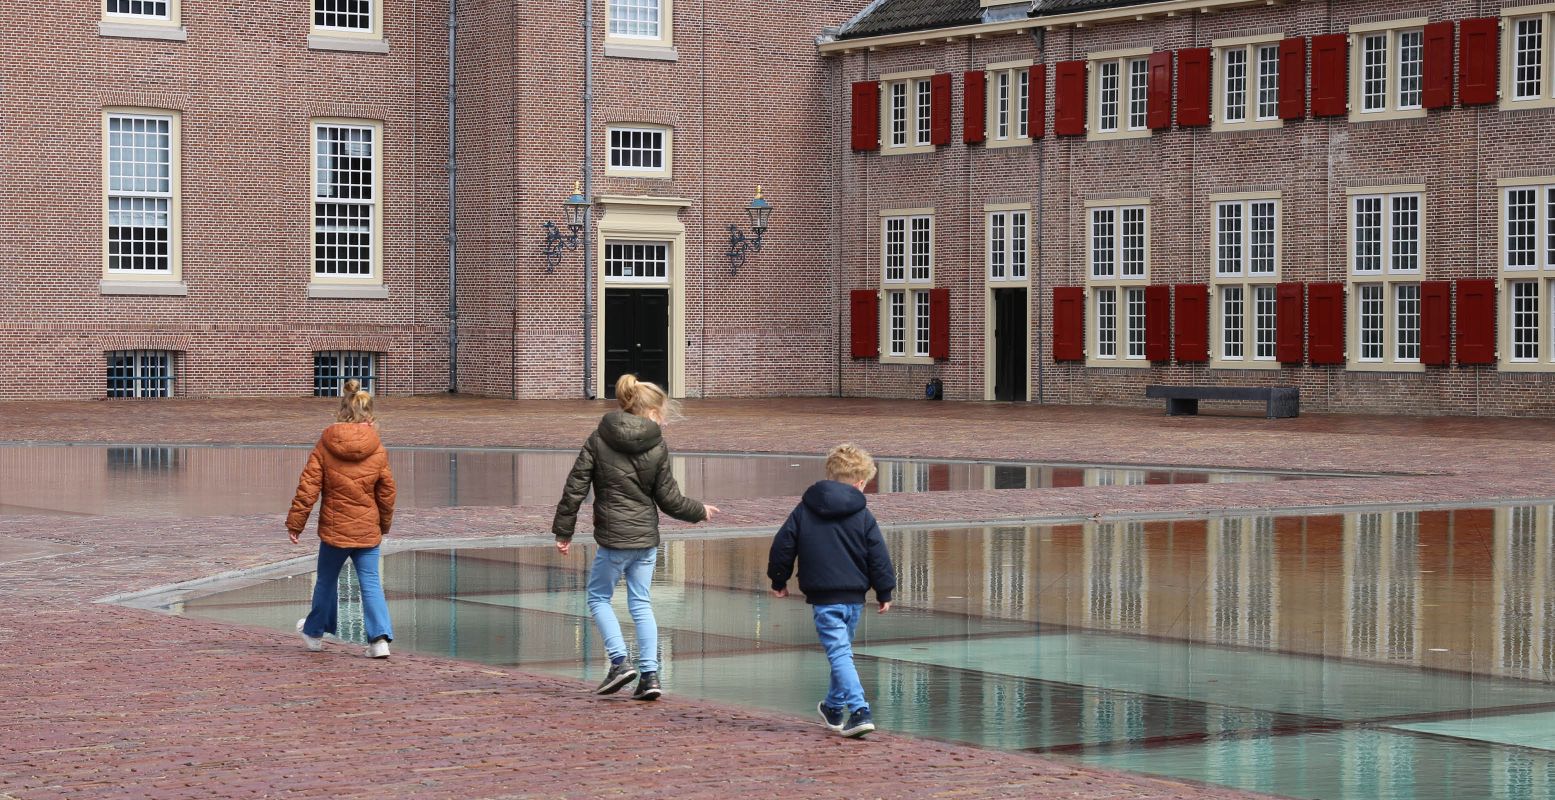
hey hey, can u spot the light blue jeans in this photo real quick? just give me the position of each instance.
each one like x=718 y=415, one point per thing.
x=326 y=602
x=835 y=625
x=637 y=565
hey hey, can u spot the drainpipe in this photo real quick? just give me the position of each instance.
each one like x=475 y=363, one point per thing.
x=588 y=192
x=453 y=205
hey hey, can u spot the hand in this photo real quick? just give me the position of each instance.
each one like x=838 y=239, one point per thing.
x=563 y=545
x=294 y=535
x=783 y=592
x=710 y=510
x=884 y=607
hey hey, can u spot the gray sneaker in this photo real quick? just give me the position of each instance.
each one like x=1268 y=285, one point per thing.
x=618 y=676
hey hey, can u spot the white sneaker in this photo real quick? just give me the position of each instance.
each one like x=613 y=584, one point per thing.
x=314 y=644
x=378 y=649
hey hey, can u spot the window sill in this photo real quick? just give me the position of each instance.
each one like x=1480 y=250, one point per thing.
x=1530 y=104
x=1525 y=366
x=142 y=30
x=906 y=360
x=346 y=44
x=1384 y=366
x=649 y=52
x=1216 y=363
x=906 y=149
x=1387 y=116
x=662 y=175
x=1252 y=125
x=1121 y=363
x=144 y=288
x=1110 y=136
x=999 y=144
x=347 y=291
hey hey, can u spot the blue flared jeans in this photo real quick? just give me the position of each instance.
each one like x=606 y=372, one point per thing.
x=326 y=602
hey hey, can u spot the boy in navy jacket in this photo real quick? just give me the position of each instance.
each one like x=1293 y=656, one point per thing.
x=841 y=557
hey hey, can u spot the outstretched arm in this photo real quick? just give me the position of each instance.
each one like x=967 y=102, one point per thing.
x=666 y=493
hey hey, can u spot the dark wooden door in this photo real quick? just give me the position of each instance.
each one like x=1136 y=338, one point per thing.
x=637 y=336
x=1010 y=336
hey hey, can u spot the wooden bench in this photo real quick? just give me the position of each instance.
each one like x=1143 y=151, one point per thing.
x=1280 y=401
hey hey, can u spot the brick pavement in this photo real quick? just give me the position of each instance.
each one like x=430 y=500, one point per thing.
x=105 y=701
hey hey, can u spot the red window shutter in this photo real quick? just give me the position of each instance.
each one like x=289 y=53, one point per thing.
x=1192 y=321
x=1293 y=78
x=1069 y=98
x=974 y=99
x=1193 y=87
x=1436 y=78
x=1068 y=323
x=1435 y=322
x=1289 y=316
x=1158 y=323
x=1479 y=61
x=1330 y=75
x=866 y=115
x=1476 y=322
x=1159 y=100
x=1036 y=102
x=939 y=110
x=939 y=323
x=865 y=305
x=1325 y=323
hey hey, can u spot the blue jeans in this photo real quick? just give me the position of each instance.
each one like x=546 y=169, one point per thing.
x=637 y=565
x=835 y=625
x=375 y=610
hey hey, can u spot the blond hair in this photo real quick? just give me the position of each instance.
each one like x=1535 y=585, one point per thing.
x=641 y=398
x=355 y=404
x=348 y=390
x=849 y=463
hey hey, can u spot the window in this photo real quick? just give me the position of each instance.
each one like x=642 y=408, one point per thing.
x=907 y=264
x=1527 y=49
x=1118 y=273
x=140 y=373
x=1387 y=70
x=1248 y=83
x=345 y=202
x=637 y=262
x=634 y=19
x=343 y=15
x=1007 y=245
x=331 y=369
x=142 y=204
x=1246 y=257
x=1528 y=273
x=1009 y=103
x=140 y=9
x=1120 y=83
x=1386 y=238
x=639 y=150
x=907 y=113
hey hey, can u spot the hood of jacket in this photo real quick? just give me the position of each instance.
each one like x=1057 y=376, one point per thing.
x=350 y=441
x=629 y=433
x=833 y=499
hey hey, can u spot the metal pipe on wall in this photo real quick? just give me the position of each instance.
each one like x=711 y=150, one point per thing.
x=588 y=192
x=453 y=204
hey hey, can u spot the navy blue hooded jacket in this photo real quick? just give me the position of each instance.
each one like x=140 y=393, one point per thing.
x=838 y=543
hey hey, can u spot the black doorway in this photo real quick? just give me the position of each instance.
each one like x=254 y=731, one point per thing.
x=637 y=336
x=1010 y=336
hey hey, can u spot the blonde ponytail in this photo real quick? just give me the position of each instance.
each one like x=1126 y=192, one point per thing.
x=355 y=407
x=641 y=398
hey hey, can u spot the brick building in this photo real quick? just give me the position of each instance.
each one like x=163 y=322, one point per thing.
x=1058 y=201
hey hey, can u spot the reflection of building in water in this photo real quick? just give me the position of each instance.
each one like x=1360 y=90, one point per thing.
x=1524 y=592
x=1382 y=585
x=1004 y=551
x=158 y=459
x=913 y=557
x=1116 y=575
x=1096 y=476
x=1516 y=775
x=350 y=624
x=1378 y=764
x=1234 y=754
x=1112 y=716
x=1244 y=581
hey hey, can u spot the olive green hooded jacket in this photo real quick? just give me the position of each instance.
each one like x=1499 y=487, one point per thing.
x=629 y=467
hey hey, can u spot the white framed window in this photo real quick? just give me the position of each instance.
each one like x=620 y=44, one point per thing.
x=636 y=261
x=1246 y=272
x=139 y=10
x=1118 y=271
x=140 y=373
x=1527 y=327
x=1527 y=53
x=907 y=275
x=346 y=217
x=1120 y=82
x=1008 y=245
x=141 y=178
x=635 y=19
x=1009 y=103
x=638 y=150
x=1247 y=83
x=907 y=107
x=1387 y=252
x=1386 y=70
x=332 y=368
x=353 y=16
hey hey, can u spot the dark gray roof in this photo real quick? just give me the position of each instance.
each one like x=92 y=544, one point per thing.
x=1043 y=8
x=903 y=16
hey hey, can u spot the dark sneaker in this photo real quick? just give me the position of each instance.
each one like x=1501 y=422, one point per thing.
x=859 y=724
x=833 y=717
x=647 y=687
x=618 y=676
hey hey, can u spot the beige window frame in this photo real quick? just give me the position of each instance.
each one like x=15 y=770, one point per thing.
x=1251 y=287
x=1009 y=99
x=1108 y=287
x=134 y=281
x=1512 y=20
x=126 y=24
x=1395 y=301
x=1253 y=75
x=337 y=37
x=1534 y=268
x=904 y=284
x=627 y=45
x=1123 y=64
x=1392 y=34
x=337 y=285
x=666 y=150
x=916 y=117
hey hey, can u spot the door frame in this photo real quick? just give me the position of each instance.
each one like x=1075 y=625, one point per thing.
x=644 y=219
x=990 y=346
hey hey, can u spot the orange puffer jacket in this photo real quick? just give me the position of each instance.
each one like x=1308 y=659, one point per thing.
x=351 y=468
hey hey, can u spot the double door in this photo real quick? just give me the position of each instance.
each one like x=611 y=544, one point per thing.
x=637 y=332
